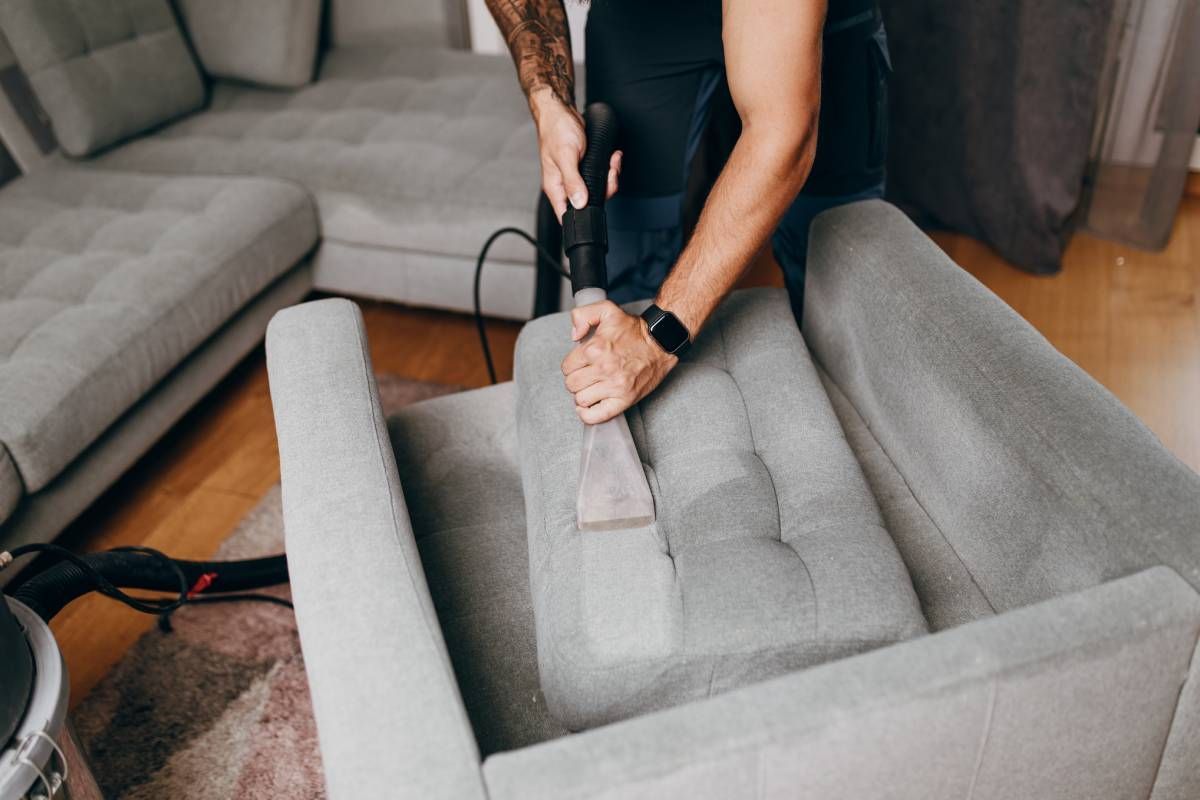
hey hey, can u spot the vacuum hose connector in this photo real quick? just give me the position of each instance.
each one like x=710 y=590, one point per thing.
x=585 y=230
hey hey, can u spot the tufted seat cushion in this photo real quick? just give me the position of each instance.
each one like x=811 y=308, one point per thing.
x=103 y=71
x=417 y=149
x=768 y=553
x=108 y=280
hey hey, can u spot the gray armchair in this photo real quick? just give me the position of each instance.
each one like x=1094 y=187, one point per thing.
x=1053 y=545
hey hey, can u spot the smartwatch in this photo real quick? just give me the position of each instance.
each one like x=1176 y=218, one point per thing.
x=667 y=330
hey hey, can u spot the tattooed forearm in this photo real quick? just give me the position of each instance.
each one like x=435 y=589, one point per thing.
x=540 y=42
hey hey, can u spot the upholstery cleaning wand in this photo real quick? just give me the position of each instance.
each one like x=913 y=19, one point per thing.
x=613 y=492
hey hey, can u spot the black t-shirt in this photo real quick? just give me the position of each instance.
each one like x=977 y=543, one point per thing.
x=650 y=59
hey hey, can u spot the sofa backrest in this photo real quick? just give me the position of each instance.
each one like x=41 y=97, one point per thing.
x=437 y=22
x=103 y=71
x=1040 y=480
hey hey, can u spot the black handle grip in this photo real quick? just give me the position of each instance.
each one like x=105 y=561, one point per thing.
x=600 y=124
x=585 y=231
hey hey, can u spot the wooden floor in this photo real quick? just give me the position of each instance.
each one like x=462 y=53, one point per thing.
x=1129 y=318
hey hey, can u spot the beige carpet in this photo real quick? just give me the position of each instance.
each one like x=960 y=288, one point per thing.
x=218 y=708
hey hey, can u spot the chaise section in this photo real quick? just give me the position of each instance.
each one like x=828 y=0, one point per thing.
x=109 y=280
x=414 y=156
x=768 y=554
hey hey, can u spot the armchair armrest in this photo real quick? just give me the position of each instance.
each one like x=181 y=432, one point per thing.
x=390 y=718
x=1071 y=698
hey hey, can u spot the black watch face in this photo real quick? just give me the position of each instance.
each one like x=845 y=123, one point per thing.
x=669 y=332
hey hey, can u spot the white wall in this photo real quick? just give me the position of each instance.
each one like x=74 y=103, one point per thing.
x=485 y=36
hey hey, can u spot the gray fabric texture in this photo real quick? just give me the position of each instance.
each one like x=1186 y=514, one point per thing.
x=428 y=23
x=457 y=462
x=103 y=71
x=427 y=279
x=11 y=487
x=991 y=117
x=946 y=589
x=416 y=150
x=107 y=281
x=267 y=42
x=1179 y=774
x=1038 y=478
x=390 y=717
x=42 y=516
x=768 y=553
x=1070 y=699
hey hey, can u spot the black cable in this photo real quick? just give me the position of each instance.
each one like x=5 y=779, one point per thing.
x=544 y=256
x=164 y=619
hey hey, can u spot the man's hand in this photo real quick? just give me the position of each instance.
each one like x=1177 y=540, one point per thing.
x=616 y=366
x=561 y=143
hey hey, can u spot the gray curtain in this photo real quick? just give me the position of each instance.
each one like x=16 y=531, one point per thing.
x=993 y=104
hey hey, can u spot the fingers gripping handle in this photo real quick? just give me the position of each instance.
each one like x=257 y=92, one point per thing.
x=585 y=230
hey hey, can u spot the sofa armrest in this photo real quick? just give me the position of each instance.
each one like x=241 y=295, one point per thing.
x=390 y=718
x=1071 y=698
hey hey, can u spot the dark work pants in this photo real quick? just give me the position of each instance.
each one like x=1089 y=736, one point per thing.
x=661 y=72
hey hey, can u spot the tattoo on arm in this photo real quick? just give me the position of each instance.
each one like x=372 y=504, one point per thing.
x=540 y=42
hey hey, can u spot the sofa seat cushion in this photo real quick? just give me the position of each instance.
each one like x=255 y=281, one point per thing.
x=415 y=149
x=768 y=553
x=457 y=461
x=108 y=280
x=103 y=71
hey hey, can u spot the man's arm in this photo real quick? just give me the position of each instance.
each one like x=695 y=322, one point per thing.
x=773 y=58
x=540 y=42
x=773 y=65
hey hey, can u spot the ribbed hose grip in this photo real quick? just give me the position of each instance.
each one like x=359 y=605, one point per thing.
x=600 y=125
x=585 y=232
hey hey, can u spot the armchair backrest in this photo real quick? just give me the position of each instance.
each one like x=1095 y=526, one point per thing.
x=1039 y=479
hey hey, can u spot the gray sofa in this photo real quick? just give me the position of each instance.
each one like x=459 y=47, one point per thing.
x=1051 y=543
x=142 y=260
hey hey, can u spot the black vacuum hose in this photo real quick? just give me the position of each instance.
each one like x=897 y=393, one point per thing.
x=51 y=590
x=585 y=230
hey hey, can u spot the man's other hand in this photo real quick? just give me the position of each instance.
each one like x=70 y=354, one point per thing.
x=616 y=366
x=561 y=143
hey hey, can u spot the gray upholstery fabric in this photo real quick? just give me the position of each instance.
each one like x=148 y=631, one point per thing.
x=1070 y=699
x=390 y=716
x=407 y=22
x=1179 y=774
x=42 y=516
x=768 y=553
x=107 y=281
x=103 y=71
x=457 y=462
x=11 y=488
x=416 y=150
x=946 y=589
x=268 y=42
x=1038 y=478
